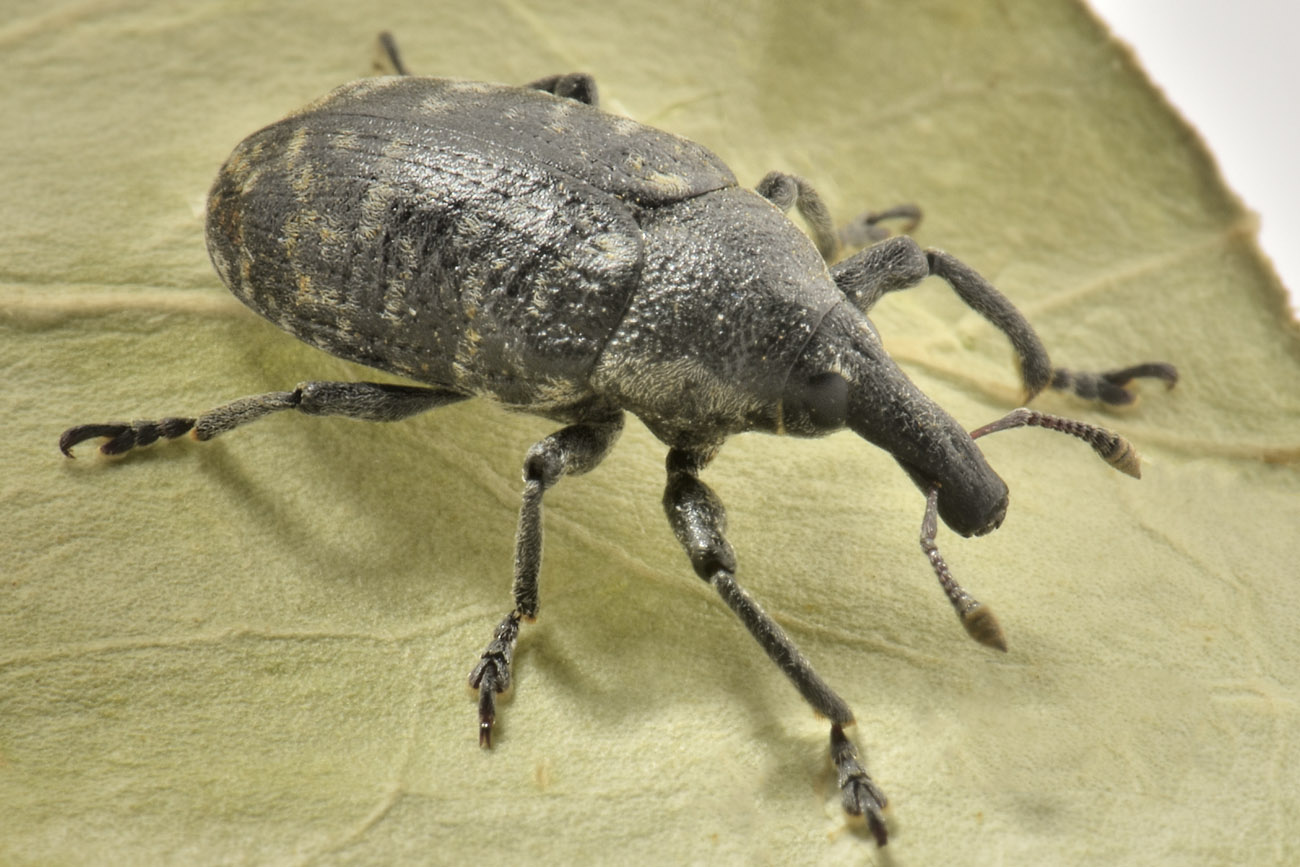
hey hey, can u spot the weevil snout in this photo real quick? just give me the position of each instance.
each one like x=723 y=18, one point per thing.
x=972 y=498
x=883 y=406
x=1000 y=512
x=975 y=516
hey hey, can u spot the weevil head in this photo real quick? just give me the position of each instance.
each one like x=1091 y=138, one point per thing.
x=845 y=378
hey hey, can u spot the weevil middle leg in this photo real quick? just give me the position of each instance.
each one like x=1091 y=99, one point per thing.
x=570 y=451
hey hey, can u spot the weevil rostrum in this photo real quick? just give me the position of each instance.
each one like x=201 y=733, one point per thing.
x=522 y=245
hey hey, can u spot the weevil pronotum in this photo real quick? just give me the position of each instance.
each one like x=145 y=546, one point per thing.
x=520 y=244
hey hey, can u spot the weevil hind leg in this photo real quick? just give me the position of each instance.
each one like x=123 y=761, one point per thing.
x=900 y=263
x=364 y=401
x=570 y=451
x=388 y=57
x=699 y=522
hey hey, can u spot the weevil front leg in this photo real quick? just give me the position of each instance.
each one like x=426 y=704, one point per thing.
x=364 y=401
x=699 y=522
x=570 y=451
x=900 y=263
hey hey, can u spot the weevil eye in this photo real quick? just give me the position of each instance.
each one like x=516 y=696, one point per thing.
x=819 y=404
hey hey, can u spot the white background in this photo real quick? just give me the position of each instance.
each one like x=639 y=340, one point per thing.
x=1232 y=68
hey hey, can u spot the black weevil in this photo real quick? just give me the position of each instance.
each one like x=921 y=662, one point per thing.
x=520 y=244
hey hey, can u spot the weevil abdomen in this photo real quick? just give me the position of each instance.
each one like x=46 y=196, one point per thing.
x=448 y=231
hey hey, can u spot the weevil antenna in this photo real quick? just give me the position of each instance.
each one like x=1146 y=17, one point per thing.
x=976 y=617
x=1109 y=446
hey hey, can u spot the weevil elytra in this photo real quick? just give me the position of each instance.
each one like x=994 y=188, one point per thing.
x=520 y=244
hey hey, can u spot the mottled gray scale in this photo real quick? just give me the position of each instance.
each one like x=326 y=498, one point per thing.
x=694 y=363
x=423 y=252
x=624 y=158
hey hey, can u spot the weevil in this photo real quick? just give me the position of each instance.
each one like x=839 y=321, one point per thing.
x=522 y=245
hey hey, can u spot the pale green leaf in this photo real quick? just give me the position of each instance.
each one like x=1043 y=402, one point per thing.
x=254 y=650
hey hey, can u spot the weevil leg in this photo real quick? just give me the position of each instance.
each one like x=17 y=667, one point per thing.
x=577 y=86
x=791 y=191
x=388 y=60
x=900 y=263
x=570 y=451
x=364 y=401
x=786 y=191
x=1111 y=386
x=699 y=522
x=893 y=264
x=866 y=228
